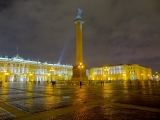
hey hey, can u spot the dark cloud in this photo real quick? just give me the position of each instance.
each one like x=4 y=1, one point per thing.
x=4 y=4
x=114 y=31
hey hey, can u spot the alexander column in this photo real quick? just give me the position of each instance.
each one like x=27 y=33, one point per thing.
x=79 y=70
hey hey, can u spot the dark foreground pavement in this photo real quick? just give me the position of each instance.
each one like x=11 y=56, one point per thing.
x=113 y=101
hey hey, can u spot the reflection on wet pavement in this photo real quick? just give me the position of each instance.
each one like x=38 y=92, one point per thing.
x=37 y=98
x=105 y=112
x=140 y=100
x=4 y=115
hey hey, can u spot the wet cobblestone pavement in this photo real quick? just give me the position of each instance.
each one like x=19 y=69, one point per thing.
x=116 y=100
x=140 y=100
x=17 y=97
x=4 y=115
x=106 y=112
x=40 y=104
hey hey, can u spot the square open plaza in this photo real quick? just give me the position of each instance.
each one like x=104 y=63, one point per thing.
x=44 y=91
x=116 y=100
x=34 y=90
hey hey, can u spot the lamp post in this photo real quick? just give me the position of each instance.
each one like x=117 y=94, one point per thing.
x=104 y=77
x=142 y=76
x=124 y=77
x=30 y=77
x=6 y=77
x=51 y=70
x=80 y=67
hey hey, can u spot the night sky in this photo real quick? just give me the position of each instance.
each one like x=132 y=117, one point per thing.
x=114 y=32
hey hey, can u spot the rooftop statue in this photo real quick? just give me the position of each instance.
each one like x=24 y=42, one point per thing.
x=79 y=14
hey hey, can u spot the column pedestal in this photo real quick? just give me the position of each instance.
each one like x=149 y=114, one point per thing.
x=79 y=74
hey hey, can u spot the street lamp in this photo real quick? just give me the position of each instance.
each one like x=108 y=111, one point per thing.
x=80 y=66
x=6 y=76
x=105 y=72
x=30 y=78
x=124 y=77
x=104 y=76
x=51 y=70
x=142 y=76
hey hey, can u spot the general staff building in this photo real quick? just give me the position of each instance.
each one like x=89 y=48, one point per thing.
x=121 y=72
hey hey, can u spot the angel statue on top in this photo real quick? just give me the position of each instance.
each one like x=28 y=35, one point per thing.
x=79 y=14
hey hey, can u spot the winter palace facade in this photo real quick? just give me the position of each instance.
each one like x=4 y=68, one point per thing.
x=17 y=69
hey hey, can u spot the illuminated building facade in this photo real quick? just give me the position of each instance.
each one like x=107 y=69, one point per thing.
x=121 y=72
x=17 y=69
x=156 y=76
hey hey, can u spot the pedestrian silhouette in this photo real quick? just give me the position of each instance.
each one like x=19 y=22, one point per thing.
x=80 y=84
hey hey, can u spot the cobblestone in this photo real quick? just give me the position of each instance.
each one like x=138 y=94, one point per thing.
x=6 y=92
x=37 y=105
x=62 y=99
x=13 y=97
x=4 y=115
x=140 y=100
x=39 y=98
x=106 y=112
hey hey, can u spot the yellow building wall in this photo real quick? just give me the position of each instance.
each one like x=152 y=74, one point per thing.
x=25 y=70
x=121 y=72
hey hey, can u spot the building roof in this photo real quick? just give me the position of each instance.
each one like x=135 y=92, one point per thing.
x=120 y=65
x=17 y=58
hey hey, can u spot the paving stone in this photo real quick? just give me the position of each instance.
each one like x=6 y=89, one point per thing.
x=34 y=99
x=40 y=104
x=37 y=105
x=15 y=97
x=10 y=91
x=5 y=115
x=140 y=100
x=106 y=112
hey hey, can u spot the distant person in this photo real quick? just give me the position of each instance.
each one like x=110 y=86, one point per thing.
x=80 y=84
x=103 y=82
x=89 y=82
x=54 y=83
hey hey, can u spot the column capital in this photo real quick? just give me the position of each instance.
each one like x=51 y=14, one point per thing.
x=79 y=21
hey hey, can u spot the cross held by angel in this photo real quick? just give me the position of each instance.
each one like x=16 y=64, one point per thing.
x=79 y=14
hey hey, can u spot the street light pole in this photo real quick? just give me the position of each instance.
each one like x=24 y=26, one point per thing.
x=51 y=70
x=80 y=67
x=51 y=76
x=80 y=75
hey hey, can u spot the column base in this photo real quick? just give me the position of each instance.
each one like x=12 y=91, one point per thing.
x=79 y=74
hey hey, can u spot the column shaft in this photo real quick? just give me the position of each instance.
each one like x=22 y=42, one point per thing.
x=79 y=44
